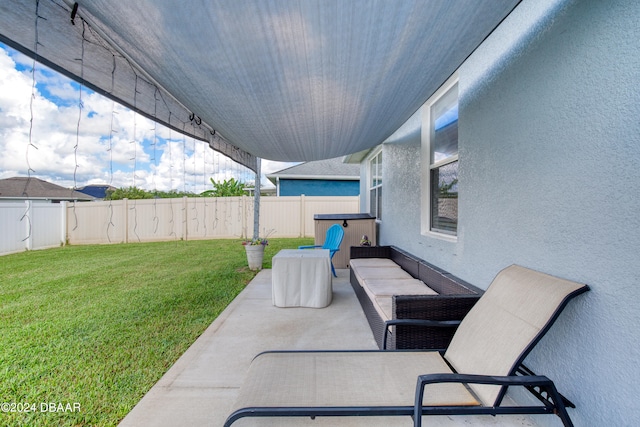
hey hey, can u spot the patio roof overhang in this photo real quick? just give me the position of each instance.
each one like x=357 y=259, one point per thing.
x=283 y=80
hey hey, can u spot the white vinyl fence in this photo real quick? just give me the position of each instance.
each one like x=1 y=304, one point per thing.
x=31 y=225
x=28 y=225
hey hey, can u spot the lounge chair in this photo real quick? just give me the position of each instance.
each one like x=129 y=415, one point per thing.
x=484 y=359
x=332 y=241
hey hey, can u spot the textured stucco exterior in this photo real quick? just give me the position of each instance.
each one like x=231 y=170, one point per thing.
x=549 y=144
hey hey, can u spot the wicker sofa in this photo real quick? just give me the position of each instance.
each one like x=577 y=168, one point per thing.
x=418 y=304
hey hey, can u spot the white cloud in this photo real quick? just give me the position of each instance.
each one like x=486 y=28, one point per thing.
x=270 y=166
x=102 y=143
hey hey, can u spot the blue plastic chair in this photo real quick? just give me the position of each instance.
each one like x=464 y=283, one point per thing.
x=332 y=241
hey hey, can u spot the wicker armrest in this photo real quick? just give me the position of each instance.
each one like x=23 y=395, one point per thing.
x=425 y=313
x=417 y=322
x=433 y=307
x=370 y=252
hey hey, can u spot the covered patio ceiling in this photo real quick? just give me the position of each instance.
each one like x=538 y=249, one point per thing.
x=289 y=80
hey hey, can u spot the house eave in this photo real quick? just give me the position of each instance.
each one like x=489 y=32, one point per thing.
x=356 y=158
x=315 y=177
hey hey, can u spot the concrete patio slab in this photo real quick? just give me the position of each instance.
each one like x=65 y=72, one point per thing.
x=200 y=388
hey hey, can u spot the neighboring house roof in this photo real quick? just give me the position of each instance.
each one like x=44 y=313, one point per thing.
x=328 y=169
x=24 y=188
x=98 y=191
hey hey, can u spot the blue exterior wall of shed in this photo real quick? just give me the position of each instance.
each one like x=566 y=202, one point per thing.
x=549 y=148
x=315 y=187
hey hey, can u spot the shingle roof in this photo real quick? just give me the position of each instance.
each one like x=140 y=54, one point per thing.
x=34 y=188
x=320 y=169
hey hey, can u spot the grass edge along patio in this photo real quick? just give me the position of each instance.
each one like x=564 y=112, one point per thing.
x=98 y=325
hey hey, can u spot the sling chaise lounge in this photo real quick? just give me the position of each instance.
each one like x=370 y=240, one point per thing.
x=484 y=359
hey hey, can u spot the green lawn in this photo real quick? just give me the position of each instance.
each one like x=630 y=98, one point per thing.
x=95 y=327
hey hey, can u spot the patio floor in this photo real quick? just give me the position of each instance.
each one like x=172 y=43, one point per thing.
x=201 y=387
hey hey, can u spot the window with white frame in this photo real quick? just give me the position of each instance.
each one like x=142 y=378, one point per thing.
x=375 y=185
x=440 y=152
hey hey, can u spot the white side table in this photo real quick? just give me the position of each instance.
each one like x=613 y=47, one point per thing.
x=301 y=278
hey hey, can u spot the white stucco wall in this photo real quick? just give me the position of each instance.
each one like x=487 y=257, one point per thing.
x=549 y=143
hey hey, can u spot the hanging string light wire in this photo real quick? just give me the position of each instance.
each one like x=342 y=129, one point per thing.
x=156 y=220
x=135 y=151
x=33 y=95
x=215 y=200
x=184 y=174
x=184 y=161
x=194 y=204
x=80 y=108
x=238 y=177
x=26 y=216
x=110 y=150
x=204 y=186
x=169 y=144
x=95 y=43
x=133 y=139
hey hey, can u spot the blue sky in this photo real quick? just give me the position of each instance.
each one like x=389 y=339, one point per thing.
x=44 y=132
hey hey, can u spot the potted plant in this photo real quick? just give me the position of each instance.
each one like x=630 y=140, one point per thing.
x=255 y=252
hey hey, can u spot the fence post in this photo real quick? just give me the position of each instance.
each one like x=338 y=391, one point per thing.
x=125 y=211
x=63 y=222
x=303 y=229
x=185 y=219
x=244 y=207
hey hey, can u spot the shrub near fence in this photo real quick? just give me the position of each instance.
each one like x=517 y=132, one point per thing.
x=124 y=221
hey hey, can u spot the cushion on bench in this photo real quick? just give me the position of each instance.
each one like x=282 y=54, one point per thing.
x=367 y=273
x=372 y=262
x=388 y=287
x=393 y=284
x=384 y=307
x=381 y=279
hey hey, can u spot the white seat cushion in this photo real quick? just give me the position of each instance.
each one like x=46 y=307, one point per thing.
x=365 y=273
x=381 y=292
x=382 y=287
x=372 y=262
x=384 y=307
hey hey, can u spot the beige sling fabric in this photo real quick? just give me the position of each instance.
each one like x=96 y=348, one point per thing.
x=346 y=379
x=518 y=304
